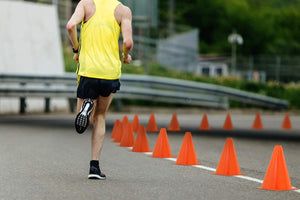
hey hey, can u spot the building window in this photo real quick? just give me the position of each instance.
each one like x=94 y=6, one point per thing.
x=205 y=71
x=219 y=71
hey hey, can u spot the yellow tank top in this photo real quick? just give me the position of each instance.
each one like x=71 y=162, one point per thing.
x=99 y=48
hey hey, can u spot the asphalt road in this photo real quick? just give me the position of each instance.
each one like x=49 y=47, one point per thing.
x=43 y=158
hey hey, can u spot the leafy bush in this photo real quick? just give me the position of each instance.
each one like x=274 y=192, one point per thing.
x=70 y=64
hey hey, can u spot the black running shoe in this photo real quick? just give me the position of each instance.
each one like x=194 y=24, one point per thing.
x=95 y=173
x=82 y=118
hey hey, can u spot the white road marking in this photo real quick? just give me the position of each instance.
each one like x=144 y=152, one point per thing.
x=204 y=167
x=171 y=159
x=249 y=178
x=297 y=191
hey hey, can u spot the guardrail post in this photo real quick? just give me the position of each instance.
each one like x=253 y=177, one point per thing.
x=47 y=105
x=22 y=102
x=72 y=104
x=22 y=105
x=47 y=102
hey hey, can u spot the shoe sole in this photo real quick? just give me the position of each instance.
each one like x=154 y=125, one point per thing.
x=96 y=176
x=82 y=118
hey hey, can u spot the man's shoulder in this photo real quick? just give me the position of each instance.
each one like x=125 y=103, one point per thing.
x=123 y=10
x=86 y=2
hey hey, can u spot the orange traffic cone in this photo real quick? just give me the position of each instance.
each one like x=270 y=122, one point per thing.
x=228 y=164
x=286 y=124
x=187 y=154
x=119 y=133
x=128 y=137
x=277 y=176
x=162 y=148
x=204 y=123
x=257 y=124
x=135 y=124
x=141 y=142
x=125 y=120
x=228 y=124
x=174 y=125
x=152 y=127
x=114 y=131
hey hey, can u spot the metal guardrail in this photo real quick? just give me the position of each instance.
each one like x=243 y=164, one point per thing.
x=65 y=86
x=136 y=87
x=230 y=93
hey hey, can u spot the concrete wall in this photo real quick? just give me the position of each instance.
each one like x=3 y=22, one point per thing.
x=30 y=44
x=30 y=39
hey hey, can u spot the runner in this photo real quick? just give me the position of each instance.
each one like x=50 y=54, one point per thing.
x=99 y=65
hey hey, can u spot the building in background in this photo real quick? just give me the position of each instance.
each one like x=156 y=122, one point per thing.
x=179 y=51
x=212 y=66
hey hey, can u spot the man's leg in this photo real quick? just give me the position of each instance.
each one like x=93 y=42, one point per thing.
x=79 y=104
x=101 y=106
x=98 y=115
x=84 y=111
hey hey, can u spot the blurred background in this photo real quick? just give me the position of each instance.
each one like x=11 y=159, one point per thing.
x=249 y=45
x=196 y=33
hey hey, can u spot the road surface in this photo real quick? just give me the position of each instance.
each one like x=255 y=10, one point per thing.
x=42 y=157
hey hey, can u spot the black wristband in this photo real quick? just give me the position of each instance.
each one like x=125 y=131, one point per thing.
x=75 y=51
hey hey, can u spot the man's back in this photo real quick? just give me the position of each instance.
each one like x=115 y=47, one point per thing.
x=90 y=8
x=99 y=48
x=86 y=9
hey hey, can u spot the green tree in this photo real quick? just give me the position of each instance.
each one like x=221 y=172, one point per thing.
x=268 y=27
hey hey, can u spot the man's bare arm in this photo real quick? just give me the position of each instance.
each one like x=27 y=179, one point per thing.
x=76 y=18
x=126 y=28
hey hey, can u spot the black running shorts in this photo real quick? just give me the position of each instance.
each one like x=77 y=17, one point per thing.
x=93 y=88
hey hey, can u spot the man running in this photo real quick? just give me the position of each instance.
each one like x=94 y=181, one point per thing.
x=99 y=65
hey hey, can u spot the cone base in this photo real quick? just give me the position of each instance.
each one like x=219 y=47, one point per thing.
x=161 y=156
x=203 y=129
x=277 y=190
x=126 y=145
x=141 y=151
x=145 y=152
